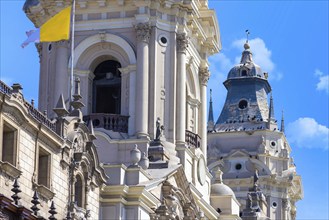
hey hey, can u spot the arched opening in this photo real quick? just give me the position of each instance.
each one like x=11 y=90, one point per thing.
x=107 y=88
x=79 y=189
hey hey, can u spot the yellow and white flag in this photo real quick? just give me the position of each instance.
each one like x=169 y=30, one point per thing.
x=55 y=29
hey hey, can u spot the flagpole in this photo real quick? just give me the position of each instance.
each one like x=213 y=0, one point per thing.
x=72 y=51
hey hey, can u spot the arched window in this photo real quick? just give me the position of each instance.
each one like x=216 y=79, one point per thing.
x=244 y=73
x=79 y=192
x=107 y=88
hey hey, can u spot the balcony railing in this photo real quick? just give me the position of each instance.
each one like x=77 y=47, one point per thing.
x=35 y=113
x=4 y=88
x=114 y=122
x=193 y=140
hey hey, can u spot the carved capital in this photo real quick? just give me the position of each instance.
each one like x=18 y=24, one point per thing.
x=182 y=42
x=204 y=75
x=285 y=204
x=143 y=32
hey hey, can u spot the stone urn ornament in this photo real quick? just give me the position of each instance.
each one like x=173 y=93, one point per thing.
x=135 y=155
x=144 y=162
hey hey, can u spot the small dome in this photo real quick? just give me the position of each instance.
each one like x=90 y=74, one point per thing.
x=246 y=67
x=220 y=189
x=246 y=70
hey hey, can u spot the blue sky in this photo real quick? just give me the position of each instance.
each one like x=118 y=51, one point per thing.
x=289 y=39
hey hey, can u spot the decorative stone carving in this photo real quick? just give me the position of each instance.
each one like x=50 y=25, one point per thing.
x=285 y=204
x=79 y=143
x=135 y=155
x=204 y=75
x=144 y=162
x=182 y=42
x=175 y=204
x=143 y=32
x=102 y=36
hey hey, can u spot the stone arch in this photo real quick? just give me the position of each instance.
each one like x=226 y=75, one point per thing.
x=107 y=41
x=90 y=53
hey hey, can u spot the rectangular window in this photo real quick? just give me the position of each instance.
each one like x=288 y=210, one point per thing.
x=9 y=144
x=44 y=168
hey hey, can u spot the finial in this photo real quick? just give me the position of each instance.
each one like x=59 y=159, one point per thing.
x=282 y=123
x=211 y=95
x=247 y=33
x=246 y=45
x=60 y=108
x=218 y=176
x=16 y=189
x=77 y=102
x=35 y=202
x=52 y=211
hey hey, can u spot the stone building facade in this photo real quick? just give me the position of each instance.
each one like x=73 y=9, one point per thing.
x=38 y=162
x=125 y=137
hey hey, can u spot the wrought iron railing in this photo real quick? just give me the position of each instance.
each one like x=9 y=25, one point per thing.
x=114 y=122
x=192 y=139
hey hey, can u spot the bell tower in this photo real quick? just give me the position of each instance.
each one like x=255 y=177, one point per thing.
x=246 y=140
x=143 y=70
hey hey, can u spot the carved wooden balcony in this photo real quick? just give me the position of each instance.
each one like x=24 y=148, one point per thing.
x=192 y=139
x=114 y=122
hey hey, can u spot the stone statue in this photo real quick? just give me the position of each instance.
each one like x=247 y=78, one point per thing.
x=159 y=129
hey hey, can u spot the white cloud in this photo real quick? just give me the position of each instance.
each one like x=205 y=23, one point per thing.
x=261 y=56
x=220 y=65
x=323 y=83
x=308 y=133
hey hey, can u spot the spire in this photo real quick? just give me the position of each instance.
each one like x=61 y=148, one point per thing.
x=246 y=54
x=282 y=123
x=211 y=123
x=60 y=108
x=211 y=113
x=77 y=102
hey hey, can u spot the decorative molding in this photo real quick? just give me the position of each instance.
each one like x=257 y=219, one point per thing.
x=143 y=32
x=204 y=75
x=45 y=193
x=182 y=42
x=9 y=170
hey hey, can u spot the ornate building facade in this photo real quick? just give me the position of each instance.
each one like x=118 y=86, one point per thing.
x=129 y=141
x=246 y=144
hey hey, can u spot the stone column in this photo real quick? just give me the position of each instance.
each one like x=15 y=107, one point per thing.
x=142 y=79
x=61 y=76
x=182 y=43
x=204 y=75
